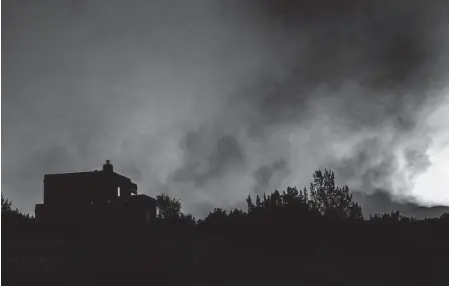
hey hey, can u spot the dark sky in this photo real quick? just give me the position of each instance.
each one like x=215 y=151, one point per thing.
x=211 y=100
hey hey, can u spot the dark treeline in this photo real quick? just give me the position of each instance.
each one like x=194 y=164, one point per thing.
x=314 y=236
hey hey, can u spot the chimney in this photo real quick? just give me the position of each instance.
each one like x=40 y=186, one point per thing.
x=108 y=167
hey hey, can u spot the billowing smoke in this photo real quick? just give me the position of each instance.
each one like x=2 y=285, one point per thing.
x=211 y=100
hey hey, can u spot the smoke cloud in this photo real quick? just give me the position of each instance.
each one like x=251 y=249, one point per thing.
x=211 y=100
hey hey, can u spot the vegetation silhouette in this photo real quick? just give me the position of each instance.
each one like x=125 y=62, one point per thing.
x=311 y=236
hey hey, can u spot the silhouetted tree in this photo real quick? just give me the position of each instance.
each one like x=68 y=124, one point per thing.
x=14 y=223
x=218 y=217
x=8 y=212
x=258 y=203
x=290 y=197
x=189 y=219
x=328 y=199
x=6 y=205
x=275 y=199
x=392 y=217
x=168 y=207
x=236 y=213
x=250 y=203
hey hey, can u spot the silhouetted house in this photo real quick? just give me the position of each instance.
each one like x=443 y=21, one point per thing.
x=94 y=197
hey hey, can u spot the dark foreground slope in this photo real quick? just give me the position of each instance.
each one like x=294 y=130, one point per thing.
x=366 y=254
x=314 y=236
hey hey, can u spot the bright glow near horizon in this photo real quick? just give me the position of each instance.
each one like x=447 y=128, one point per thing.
x=432 y=187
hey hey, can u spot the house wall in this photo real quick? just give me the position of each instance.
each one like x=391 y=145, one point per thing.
x=92 y=197
x=136 y=210
x=79 y=190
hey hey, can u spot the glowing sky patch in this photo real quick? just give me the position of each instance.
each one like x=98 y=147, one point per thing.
x=432 y=186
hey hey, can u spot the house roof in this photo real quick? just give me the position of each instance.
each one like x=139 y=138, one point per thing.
x=120 y=179
x=60 y=175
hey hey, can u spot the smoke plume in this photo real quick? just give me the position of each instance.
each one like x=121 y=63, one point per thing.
x=211 y=100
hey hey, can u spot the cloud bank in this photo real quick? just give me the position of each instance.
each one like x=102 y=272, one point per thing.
x=211 y=100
